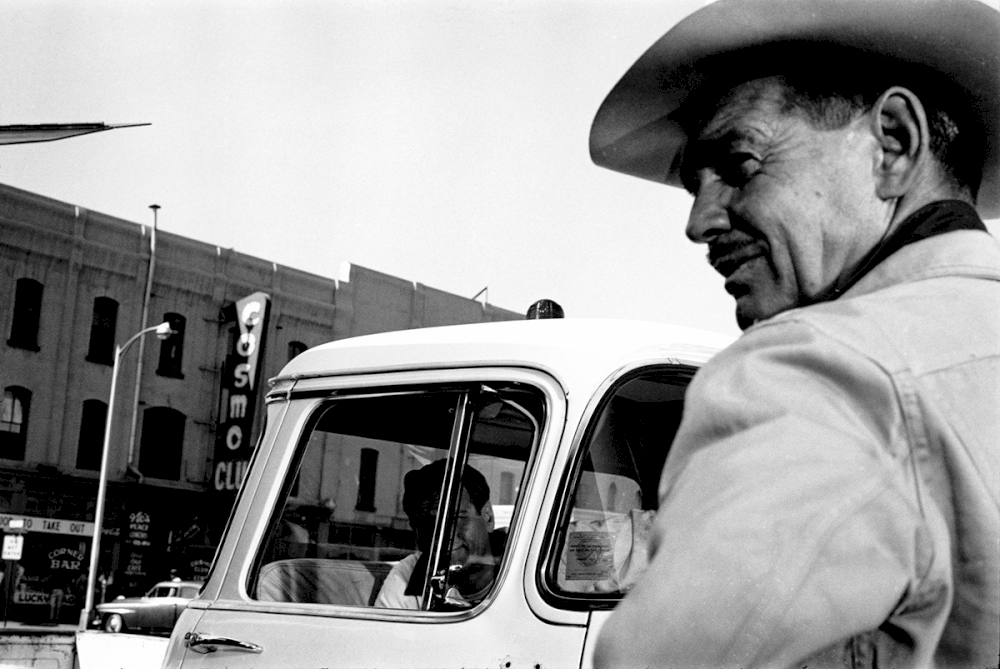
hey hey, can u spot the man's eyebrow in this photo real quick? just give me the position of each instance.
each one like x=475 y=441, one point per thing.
x=712 y=150
x=710 y=147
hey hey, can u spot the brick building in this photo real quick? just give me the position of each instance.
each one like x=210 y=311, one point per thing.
x=73 y=284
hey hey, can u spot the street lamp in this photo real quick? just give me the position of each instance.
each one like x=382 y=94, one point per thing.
x=163 y=331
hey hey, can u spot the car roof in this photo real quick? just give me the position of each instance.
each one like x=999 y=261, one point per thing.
x=563 y=347
x=178 y=584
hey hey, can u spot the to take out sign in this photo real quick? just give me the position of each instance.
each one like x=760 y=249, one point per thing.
x=240 y=385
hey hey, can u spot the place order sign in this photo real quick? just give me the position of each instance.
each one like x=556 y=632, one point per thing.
x=50 y=525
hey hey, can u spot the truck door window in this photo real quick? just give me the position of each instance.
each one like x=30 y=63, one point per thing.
x=599 y=547
x=361 y=507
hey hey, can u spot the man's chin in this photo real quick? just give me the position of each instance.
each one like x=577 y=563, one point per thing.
x=743 y=321
x=753 y=307
x=750 y=310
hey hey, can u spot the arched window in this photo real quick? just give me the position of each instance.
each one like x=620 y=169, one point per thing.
x=27 y=314
x=14 y=422
x=296 y=348
x=162 y=443
x=172 y=348
x=91 y=443
x=102 y=331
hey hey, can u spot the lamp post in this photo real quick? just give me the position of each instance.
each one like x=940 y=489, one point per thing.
x=163 y=331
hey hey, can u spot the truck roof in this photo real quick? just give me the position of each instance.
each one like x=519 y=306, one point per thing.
x=556 y=345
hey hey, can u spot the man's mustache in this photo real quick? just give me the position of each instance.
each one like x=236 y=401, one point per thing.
x=728 y=251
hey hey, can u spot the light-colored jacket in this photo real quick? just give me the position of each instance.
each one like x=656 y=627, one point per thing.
x=833 y=495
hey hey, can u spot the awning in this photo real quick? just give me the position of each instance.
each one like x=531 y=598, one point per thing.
x=48 y=132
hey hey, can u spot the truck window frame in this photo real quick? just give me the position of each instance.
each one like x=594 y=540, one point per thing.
x=675 y=374
x=466 y=394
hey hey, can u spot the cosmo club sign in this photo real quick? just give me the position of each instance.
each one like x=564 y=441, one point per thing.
x=240 y=385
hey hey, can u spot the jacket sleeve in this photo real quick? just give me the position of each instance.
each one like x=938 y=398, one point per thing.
x=787 y=517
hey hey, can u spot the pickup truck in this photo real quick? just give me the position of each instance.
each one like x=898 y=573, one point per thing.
x=568 y=421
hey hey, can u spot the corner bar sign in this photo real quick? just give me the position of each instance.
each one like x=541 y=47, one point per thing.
x=239 y=391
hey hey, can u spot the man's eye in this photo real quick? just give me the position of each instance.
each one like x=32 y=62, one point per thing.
x=738 y=169
x=733 y=169
x=690 y=181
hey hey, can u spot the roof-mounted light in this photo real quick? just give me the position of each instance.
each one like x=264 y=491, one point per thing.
x=544 y=309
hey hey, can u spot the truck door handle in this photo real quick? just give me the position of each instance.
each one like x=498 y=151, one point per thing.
x=207 y=643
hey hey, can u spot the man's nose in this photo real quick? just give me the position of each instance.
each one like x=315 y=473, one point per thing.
x=709 y=215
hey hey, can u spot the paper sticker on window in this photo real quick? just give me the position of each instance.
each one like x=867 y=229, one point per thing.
x=590 y=556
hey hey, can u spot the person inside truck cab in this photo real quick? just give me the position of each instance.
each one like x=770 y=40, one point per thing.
x=475 y=549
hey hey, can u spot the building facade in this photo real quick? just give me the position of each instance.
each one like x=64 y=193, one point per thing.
x=76 y=283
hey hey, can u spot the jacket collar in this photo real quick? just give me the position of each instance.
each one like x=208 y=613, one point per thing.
x=969 y=253
x=930 y=220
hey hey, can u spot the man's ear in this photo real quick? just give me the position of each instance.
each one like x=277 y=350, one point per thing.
x=899 y=123
x=487 y=513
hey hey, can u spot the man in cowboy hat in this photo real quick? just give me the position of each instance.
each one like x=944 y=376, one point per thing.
x=832 y=497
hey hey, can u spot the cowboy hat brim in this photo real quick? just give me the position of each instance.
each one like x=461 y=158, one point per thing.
x=638 y=129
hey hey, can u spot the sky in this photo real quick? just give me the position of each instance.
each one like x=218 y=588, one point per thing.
x=441 y=141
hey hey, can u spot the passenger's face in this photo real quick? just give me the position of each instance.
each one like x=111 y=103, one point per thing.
x=472 y=533
x=472 y=530
x=785 y=208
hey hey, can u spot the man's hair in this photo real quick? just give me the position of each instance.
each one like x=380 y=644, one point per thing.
x=421 y=486
x=831 y=86
x=830 y=110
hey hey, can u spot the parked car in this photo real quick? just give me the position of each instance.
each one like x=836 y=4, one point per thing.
x=568 y=420
x=156 y=611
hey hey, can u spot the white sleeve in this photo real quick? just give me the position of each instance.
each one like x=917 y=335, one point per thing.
x=393 y=595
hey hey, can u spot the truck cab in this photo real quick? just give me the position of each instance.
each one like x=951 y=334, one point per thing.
x=567 y=421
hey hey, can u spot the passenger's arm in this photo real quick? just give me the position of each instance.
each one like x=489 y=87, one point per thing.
x=393 y=595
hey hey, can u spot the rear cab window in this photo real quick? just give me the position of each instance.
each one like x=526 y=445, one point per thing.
x=598 y=538
x=400 y=498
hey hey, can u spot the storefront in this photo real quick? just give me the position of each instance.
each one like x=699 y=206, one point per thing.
x=48 y=583
x=150 y=534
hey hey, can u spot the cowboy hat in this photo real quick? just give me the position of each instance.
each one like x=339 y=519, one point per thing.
x=639 y=128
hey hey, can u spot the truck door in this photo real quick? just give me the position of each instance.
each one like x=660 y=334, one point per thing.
x=389 y=530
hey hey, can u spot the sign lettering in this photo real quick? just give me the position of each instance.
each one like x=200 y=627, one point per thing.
x=239 y=392
x=241 y=376
x=65 y=558
x=138 y=528
x=50 y=525
x=234 y=438
x=237 y=406
x=13 y=544
x=229 y=475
